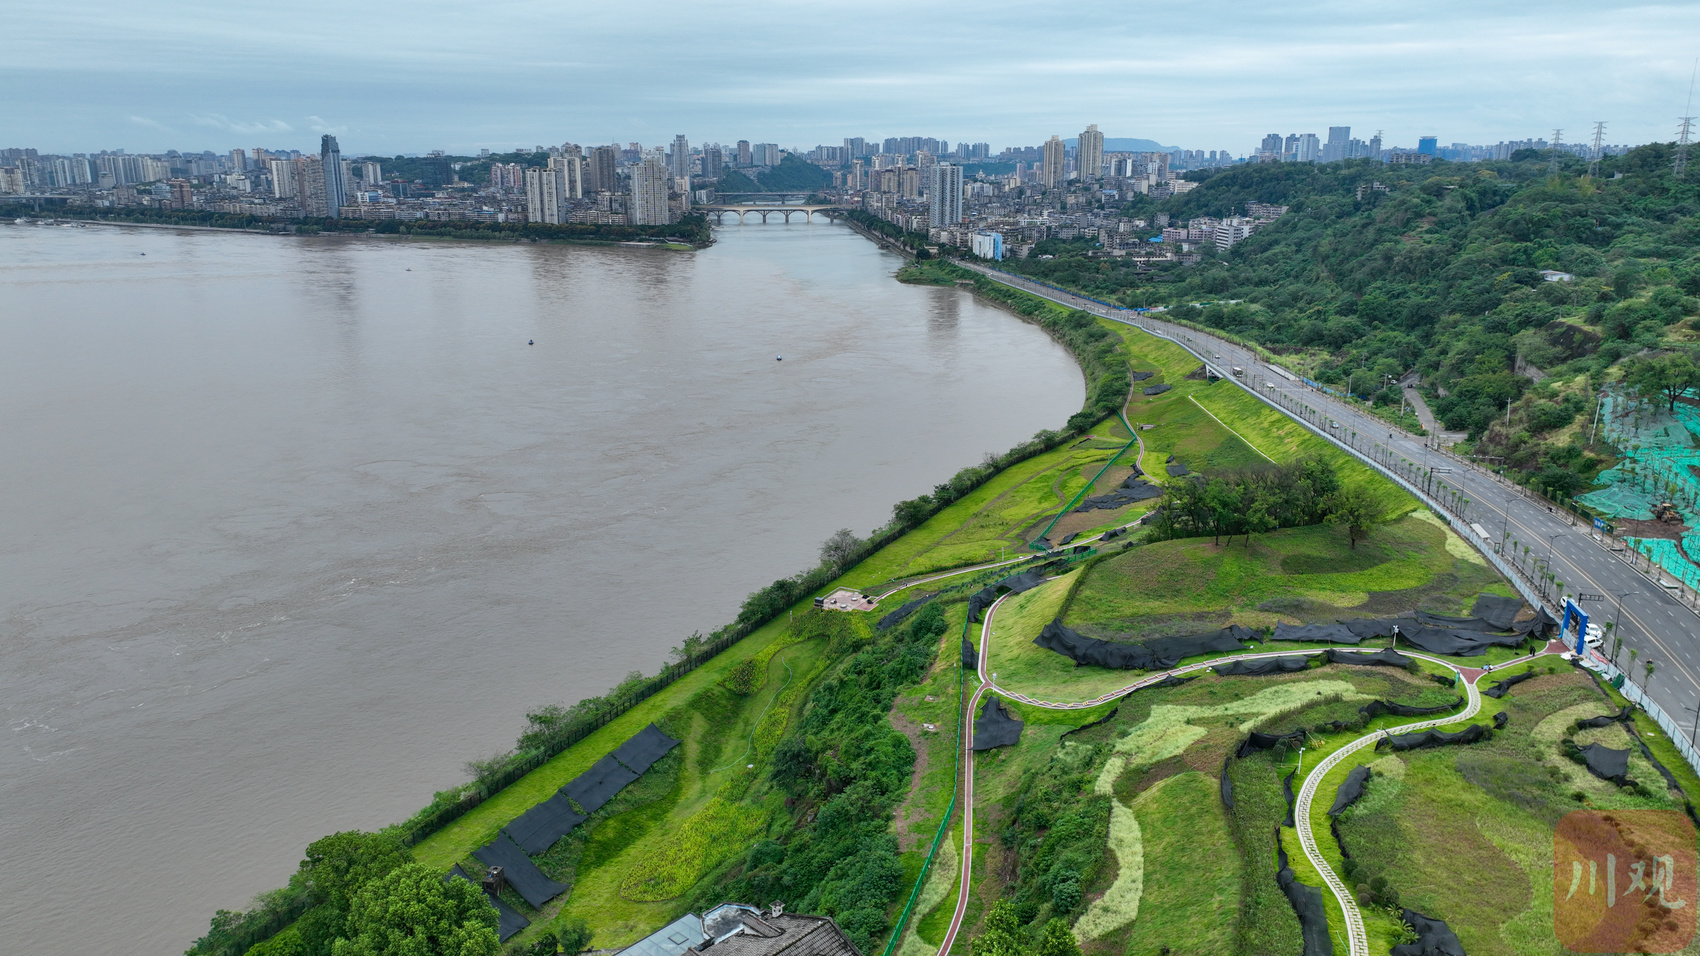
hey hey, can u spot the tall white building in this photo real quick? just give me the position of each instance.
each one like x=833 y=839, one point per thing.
x=330 y=166
x=649 y=205
x=945 y=198
x=1307 y=150
x=543 y=188
x=571 y=170
x=1054 y=171
x=284 y=183
x=371 y=173
x=1091 y=154
x=680 y=158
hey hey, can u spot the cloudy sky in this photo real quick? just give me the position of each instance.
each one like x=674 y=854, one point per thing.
x=401 y=77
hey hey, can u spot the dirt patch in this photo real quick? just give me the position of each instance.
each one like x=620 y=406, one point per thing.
x=1650 y=529
x=1077 y=521
x=907 y=840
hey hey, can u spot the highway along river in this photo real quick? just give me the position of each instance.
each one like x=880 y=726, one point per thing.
x=290 y=529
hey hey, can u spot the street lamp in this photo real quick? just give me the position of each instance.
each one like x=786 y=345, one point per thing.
x=1552 y=541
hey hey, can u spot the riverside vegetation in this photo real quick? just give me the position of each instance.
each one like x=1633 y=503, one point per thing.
x=817 y=755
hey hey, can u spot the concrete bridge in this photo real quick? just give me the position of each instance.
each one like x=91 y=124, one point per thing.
x=719 y=211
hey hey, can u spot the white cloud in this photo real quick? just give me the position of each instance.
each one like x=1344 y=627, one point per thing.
x=258 y=127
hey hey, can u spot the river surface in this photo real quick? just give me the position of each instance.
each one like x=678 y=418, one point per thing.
x=290 y=529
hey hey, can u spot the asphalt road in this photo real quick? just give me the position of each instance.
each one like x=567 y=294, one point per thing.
x=1649 y=617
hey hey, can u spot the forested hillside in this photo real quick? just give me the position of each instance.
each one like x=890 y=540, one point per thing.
x=1380 y=269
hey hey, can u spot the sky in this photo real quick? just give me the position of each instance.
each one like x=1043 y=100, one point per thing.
x=393 y=77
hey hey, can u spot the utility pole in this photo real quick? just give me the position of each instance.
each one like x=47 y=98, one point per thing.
x=1687 y=128
x=1557 y=142
x=1599 y=140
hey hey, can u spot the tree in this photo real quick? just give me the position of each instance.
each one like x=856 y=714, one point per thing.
x=333 y=872
x=1057 y=939
x=413 y=912
x=1259 y=516
x=1002 y=936
x=840 y=548
x=1356 y=510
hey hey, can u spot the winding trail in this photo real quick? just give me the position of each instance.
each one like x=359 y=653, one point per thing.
x=1359 y=944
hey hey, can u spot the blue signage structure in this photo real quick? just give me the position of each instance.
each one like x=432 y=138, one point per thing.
x=1574 y=614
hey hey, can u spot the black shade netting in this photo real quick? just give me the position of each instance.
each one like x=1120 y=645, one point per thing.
x=1140 y=376
x=1153 y=655
x=1607 y=763
x=1334 y=828
x=598 y=785
x=1434 y=738
x=508 y=919
x=1287 y=791
x=1458 y=643
x=1015 y=583
x=1169 y=681
x=1350 y=790
x=537 y=829
x=1113 y=534
x=1320 y=633
x=1619 y=717
x=644 y=749
x=1538 y=625
x=1376 y=708
x=522 y=874
x=1502 y=687
x=995 y=727
x=1386 y=657
x=1068 y=538
x=896 y=617
x=1177 y=469
x=1307 y=903
x=1434 y=937
x=1156 y=389
x=970 y=657
x=1367 y=628
x=1469 y=623
x=1100 y=721
x=1134 y=489
x=1500 y=720
x=1501 y=612
x=1227 y=786
x=1263 y=666
x=1262 y=741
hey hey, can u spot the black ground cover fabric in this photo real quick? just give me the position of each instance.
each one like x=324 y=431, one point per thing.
x=1334 y=828
x=970 y=656
x=1287 y=791
x=537 y=829
x=1434 y=937
x=1307 y=903
x=522 y=874
x=1156 y=389
x=995 y=727
x=1262 y=666
x=1387 y=657
x=1502 y=687
x=1458 y=643
x=1134 y=489
x=1113 y=534
x=1140 y=376
x=1350 y=789
x=1468 y=623
x=1376 y=708
x=1498 y=611
x=1607 y=763
x=1152 y=655
x=1337 y=633
x=1500 y=720
x=1177 y=469
x=1068 y=538
x=508 y=919
x=1434 y=738
x=1367 y=628
x=909 y=607
x=1169 y=681
x=1227 y=785
x=1100 y=721
x=1262 y=741
x=644 y=748
x=598 y=785
x=1015 y=583
x=1601 y=721
x=1538 y=625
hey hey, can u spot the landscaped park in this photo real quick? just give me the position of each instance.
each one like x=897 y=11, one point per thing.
x=1106 y=699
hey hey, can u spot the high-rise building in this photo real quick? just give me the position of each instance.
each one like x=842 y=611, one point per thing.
x=1272 y=145
x=855 y=147
x=284 y=183
x=543 y=193
x=1307 y=150
x=1426 y=144
x=712 y=159
x=238 y=160
x=944 y=207
x=764 y=154
x=1090 y=154
x=570 y=170
x=1053 y=173
x=1338 y=146
x=679 y=161
x=649 y=205
x=310 y=185
x=743 y=152
x=602 y=176
x=330 y=166
x=371 y=174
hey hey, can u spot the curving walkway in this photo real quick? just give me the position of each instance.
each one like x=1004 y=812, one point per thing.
x=1359 y=944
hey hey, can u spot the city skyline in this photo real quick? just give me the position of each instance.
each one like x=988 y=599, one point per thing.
x=145 y=77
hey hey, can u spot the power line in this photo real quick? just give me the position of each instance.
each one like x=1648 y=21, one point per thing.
x=1686 y=128
x=1557 y=146
x=1599 y=140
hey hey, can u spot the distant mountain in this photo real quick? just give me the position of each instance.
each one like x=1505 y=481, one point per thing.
x=1124 y=144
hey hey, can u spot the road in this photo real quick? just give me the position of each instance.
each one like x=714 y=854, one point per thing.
x=1652 y=622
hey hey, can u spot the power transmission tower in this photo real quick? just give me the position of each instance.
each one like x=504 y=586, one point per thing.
x=1599 y=141
x=1557 y=142
x=1686 y=128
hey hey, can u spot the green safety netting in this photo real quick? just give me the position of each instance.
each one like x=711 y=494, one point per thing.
x=1661 y=463
x=1672 y=558
x=1619 y=501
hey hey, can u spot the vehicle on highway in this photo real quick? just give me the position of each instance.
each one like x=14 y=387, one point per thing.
x=1238 y=371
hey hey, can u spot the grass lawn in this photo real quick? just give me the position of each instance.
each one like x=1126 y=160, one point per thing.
x=1192 y=872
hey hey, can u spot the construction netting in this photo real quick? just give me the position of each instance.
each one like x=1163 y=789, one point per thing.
x=1434 y=937
x=1661 y=465
x=522 y=874
x=1350 y=789
x=995 y=727
x=508 y=920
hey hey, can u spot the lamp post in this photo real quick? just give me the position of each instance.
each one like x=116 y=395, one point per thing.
x=1552 y=541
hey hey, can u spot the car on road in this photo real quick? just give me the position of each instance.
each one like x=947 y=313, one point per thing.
x=1333 y=424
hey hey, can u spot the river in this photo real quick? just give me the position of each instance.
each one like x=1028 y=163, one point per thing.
x=293 y=528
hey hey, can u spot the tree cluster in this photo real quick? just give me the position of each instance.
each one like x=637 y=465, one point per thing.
x=1255 y=501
